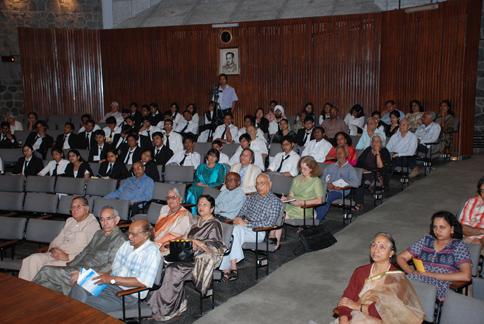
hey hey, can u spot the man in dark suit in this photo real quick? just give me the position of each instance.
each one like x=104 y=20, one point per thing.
x=87 y=137
x=39 y=140
x=7 y=139
x=69 y=140
x=304 y=135
x=29 y=164
x=112 y=167
x=99 y=150
x=132 y=153
x=161 y=153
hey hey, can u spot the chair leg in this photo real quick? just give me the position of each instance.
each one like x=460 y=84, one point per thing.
x=267 y=253
x=201 y=303
x=124 y=310
x=256 y=256
x=139 y=307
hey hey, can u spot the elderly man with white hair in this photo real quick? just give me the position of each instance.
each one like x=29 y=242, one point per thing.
x=114 y=113
x=97 y=255
x=259 y=210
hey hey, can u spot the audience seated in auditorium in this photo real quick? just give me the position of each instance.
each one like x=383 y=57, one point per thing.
x=29 y=164
x=150 y=166
x=112 y=167
x=7 y=139
x=135 y=265
x=218 y=145
x=334 y=124
x=403 y=146
x=87 y=135
x=32 y=119
x=444 y=255
x=247 y=170
x=175 y=116
x=174 y=221
x=98 y=151
x=161 y=153
x=428 y=132
x=472 y=217
x=355 y=120
x=146 y=132
x=77 y=167
x=68 y=140
x=208 y=174
x=278 y=115
x=341 y=170
x=318 y=147
x=132 y=152
x=40 y=141
x=388 y=107
x=206 y=130
x=193 y=110
x=134 y=114
x=156 y=114
x=377 y=292
x=73 y=238
x=299 y=121
x=97 y=255
x=82 y=127
x=285 y=162
x=342 y=139
x=172 y=139
x=284 y=130
x=114 y=112
x=227 y=132
x=448 y=124
x=415 y=115
x=135 y=189
x=187 y=126
x=15 y=125
x=325 y=112
x=259 y=210
x=394 y=124
x=305 y=134
x=249 y=121
x=111 y=129
x=260 y=121
x=57 y=165
x=368 y=133
x=380 y=125
x=231 y=197
x=206 y=236
x=120 y=142
x=256 y=146
x=187 y=157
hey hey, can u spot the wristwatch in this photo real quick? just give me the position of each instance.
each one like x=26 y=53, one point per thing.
x=112 y=281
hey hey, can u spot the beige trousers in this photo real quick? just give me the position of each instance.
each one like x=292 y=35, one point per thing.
x=33 y=263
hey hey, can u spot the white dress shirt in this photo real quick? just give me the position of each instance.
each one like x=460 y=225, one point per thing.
x=429 y=133
x=110 y=133
x=219 y=131
x=117 y=115
x=37 y=143
x=259 y=134
x=289 y=165
x=176 y=142
x=273 y=127
x=258 y=147
x=128 y=159
x=354 y=123
x=83 y=129
x=152 y=130
x=403 y=146
x=318 y=150
x=192 y=159
x=191 y=128
x=176 y=120
x=16 y=127
x=50 y=167
x=224 y=158
x=65 y=145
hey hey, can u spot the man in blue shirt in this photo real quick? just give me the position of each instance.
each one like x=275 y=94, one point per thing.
x=135 y=189
x=231 y=198
x=227 y=98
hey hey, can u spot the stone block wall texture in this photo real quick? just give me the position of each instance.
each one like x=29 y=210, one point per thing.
x=36 y=14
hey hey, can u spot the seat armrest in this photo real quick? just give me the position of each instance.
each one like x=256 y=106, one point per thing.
x=130 y=291
x=264 y=228
x=7 y=244
x=43 y=249
x=459 y=284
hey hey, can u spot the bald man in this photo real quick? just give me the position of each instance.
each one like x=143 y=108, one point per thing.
x=259 y=210
x=136 y=188
x=135 y=265
x=231 y=198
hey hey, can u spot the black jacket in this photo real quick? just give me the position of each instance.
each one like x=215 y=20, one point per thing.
x=75 y=142
x=93 y=152
x=47 y=142
x=136 y=155
x=35 y=166
x=84 y=143
x=80 y=174
x=163 y=156
x=6 y=143
x=263 y=125
x=122 y=147
x=118 y=172
x=300 y=136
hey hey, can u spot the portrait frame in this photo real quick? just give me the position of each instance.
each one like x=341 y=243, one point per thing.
x=227 y=66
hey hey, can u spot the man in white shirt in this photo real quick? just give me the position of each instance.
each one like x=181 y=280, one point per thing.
x=318 y=148
x=402 y=146
x=286 y=161
x=227 y=132
x=246 y=142
x=146 y=133
x=249 y=121
x=187 y=125
x=57 y=166
x=172 y=139
x=111 y=129
x=187 y=157
x=428 y=132
x=114 y=113
x=218 y=145
x=15 y=125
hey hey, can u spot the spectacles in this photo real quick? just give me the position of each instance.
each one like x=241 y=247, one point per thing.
x=106 y=219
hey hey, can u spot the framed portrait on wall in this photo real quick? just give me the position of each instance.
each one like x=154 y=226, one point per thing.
x=229 y=62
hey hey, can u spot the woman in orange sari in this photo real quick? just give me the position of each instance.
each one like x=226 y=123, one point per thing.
x=174 y=220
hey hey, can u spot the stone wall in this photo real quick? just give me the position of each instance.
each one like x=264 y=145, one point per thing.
x=479 y=114
x=36 y=14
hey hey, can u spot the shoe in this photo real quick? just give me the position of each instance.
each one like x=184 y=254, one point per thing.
x=415 y=172
x=234 y=275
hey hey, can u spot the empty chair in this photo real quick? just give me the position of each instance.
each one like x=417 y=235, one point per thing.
x=280 y=183
x=152 y=215
x=39 y=184
x=122 y=206
x=12 y=201
x=275 y=148
x=458 y=308
x=39 y=202
x=21 y=136
x=202 y=148
x=70 y=186
x=179 y=174
x=84 y=154
x=161 y=190
x=11 y=230
x=12 y=183
x=10 y=156
x=427 y=295
x=95 y=168
x=64 y=206
x=214 y=192
x=229 y=149
x=100 y=187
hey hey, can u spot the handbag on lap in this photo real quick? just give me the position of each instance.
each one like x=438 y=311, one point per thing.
x=180 y=251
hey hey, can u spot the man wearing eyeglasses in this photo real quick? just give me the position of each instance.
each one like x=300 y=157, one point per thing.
x=98 y=255
x=135 y=266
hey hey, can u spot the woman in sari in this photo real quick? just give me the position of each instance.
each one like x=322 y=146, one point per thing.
x=448 y=125
x=209 y=174
x=206 y=236
x=377 y=293
x=174 y=221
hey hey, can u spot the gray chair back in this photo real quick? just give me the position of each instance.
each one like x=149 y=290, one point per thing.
x=84 y=154
x=230 y=149
x=12 y=201
x=12 y=183
x=427 y=294
x=161 y=190
x=359 y=174
x=12 y=228
x=64 y=206
x=280 y=183
x=214 y=192
x=275 y=148
x=179 y=174
x=475 y=252
x=10 y=156
x=21 y=136
x=122 y=206
x=40 y=202
x=100 y=187
x=458 y=308
x=43 y=230
x=154 y=212
x=478 y=288
x=70 y=186
x=202 y=148
x=39 y=184
x=95 y=168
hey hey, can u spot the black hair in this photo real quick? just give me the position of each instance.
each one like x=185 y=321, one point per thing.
x=223 y=75
x=375 y=112
x=393 y=247
x=346 y=136
x=58 y=150
x=176 y=106
x=390 y=102
x=229 y=114
x=42 y=123
x=308 y=118
x=90 y=121
x=99 y=132
x=76 y=152
x=194 y=107
x=154 y=105
x=358 y=109
x=250 y=117
x=479 y=185
x=168 y=120
x=288 y=138
x=449 y=104
x=111 y=150
x=273 y=102
x=133 y=135
x=111 y=120
x=133 y=104
x=218 y=142
x=160 y=134
x=209 y=198
x=71 y=125
x=188 y=137
x=252 y=159
x=246 y=137
x=320 y=128
x=27 y=145
x=395 y=113
x=33 y=113
x=451 y=220
x=146 y=150
x=418 y=103
x=230 y=53
x=212 y=152
x=5 y=124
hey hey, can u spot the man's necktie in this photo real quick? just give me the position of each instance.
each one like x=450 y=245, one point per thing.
x=128 y=157
x=88 y=137
x=306 y=137
x=99 y=151
x=168 y=141
x=185 y=128
x=148 y=132
x=54 y=173
x=157 y=152
x=225 y=131
x=282 y=162
x=26 y=164
x=183 y=160
x=110 y=169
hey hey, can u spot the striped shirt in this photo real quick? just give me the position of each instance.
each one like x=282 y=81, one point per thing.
x=473 y=213
x=141 y=263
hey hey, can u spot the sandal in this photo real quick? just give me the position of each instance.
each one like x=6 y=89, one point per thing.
x=226 y=276
x=234 y=275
